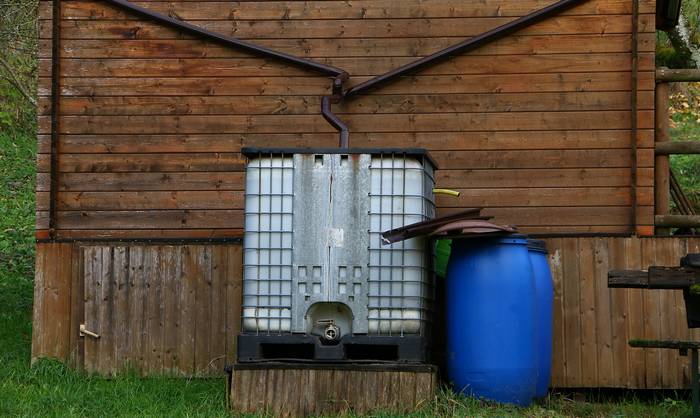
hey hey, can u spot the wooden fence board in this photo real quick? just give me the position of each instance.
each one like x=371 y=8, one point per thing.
x=305 y=391
x=161 y=309
x=635 y=316
x=572 y=312
x=587 y=291
x=620 y=315
x=151 y=319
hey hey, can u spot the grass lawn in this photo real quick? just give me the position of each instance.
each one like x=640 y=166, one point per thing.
x=49 y=389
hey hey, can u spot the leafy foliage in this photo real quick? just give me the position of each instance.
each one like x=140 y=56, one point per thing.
x=685 y=125
x=18 y=64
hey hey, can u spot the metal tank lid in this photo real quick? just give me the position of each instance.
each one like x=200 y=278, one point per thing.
x=409 y=152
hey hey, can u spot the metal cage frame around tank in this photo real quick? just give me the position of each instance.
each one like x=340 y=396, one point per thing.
x=279 y=309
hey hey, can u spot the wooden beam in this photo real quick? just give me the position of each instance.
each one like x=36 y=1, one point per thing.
x=677 y=147
x=665 y=75
x=671 y=344
x=677 y=221
x=662 y=205
x=655 y=278
x=296 y=390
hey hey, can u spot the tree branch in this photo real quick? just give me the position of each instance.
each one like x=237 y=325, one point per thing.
x=681 y=39
x=16 y=82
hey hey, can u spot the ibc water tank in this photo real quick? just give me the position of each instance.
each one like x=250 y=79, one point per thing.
x=544 y=295
x=313 y=251
x=491 y=320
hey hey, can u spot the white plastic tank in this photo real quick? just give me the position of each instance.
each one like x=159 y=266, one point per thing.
x=313 y=251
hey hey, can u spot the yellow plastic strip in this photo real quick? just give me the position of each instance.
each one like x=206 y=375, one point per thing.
x=448 y=192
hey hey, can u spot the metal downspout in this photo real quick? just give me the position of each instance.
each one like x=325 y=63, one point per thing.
x=55 y=114
x=340 y=75
x=460 y=48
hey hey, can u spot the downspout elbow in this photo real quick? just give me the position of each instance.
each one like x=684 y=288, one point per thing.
x=328 y=114
x=338 y=124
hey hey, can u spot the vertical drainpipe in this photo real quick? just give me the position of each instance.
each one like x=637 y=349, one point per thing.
x=327 y=112
x=634 y=116
x=55 y=113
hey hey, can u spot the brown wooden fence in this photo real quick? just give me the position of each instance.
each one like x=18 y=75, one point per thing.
x=162 y=309
x=175 y=309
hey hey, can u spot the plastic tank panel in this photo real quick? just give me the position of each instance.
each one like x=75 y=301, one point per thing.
x=313 y=225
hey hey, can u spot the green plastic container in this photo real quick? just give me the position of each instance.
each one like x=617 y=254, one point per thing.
x=443 y=248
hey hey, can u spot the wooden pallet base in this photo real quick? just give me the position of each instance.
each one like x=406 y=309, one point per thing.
x=295 y=390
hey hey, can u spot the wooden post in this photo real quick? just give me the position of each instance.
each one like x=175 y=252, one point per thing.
x=661 y=162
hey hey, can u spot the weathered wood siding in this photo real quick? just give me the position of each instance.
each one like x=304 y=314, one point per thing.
x=160 y=309
x=536 y=127
x=593 y=324
x=176 y=309
x=57 y=302
x=323 y=391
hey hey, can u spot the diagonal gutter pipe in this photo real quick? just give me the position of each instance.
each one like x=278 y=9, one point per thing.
x=228 y=40
x=340 y=75
x=464 y=46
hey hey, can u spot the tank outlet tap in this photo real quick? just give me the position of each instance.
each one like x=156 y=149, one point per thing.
x=331 y=332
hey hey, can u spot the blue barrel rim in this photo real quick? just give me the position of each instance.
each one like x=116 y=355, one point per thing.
x=537 y=245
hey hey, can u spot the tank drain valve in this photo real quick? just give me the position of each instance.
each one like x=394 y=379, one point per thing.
x=331 y=332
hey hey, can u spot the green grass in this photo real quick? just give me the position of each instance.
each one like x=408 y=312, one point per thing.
x=49 y=389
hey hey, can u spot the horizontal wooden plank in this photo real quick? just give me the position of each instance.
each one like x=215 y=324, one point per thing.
x=437 y=122
x=551 y=197
x=233 y=219
x=172 y=181
x=150 y=219
x=351 y=9
x=324 y=48
x=107 y=28
x=677 y=221
x=418 y=84
x=151 y=162
x=357 y=67
x=564 y=216
x=97 y=234
x=677 y=147
x=374 y=104
x=491 y=140
x=545 y=177
x=482 y=197
x=150 y=200
x=174 y=234
x=541 y=159
x=109 y=234
x=211 y=162
x=475 y=179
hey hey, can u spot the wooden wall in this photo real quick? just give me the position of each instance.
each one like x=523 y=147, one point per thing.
x=592 y=324
x=161 y=309
x=320 y=390
x=535 y=127
x=175 y=309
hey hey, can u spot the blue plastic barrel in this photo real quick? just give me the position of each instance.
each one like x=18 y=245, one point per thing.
x=544 y=295
x=491 y=320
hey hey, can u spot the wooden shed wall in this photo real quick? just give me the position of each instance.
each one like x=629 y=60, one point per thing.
x=536 y=127
x=175 y=309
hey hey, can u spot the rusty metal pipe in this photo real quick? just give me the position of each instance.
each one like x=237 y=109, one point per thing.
x=55 y=115
x=338 y=124
x=464 y=46
x=228 y=40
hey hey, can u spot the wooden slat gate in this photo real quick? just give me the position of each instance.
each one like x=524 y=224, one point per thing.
x=169 y=310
